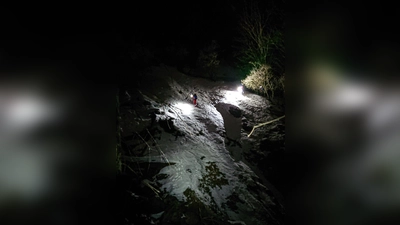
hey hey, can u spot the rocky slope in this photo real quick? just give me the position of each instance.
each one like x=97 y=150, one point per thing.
x=196 y=165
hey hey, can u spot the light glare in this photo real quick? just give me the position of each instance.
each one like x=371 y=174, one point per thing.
x=185 y=108
x=233 y=97
x=240 y=89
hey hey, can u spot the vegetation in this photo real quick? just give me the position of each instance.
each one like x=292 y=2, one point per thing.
x=176 y=55
x=263 y=81
x=260 y=48
x=208 y=58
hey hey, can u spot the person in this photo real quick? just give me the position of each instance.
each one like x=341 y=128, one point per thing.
x=194 y=99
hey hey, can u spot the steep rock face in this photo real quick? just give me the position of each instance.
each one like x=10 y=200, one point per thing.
x=232 y=116
x=199 y=157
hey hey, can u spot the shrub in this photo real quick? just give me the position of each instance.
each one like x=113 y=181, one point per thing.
x=282 y=83
x=262 y=80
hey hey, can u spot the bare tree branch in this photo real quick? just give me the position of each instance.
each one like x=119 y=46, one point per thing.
x=263 y=124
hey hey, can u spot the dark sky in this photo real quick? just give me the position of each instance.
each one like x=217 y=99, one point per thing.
x=35 y=29
x=181 y=22
x=149 y=16
x=154 y=21
x=98 y=34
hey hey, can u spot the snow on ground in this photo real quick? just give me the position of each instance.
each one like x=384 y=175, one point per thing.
x=206 y=150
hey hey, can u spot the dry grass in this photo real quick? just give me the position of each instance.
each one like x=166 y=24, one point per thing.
x=263 y=81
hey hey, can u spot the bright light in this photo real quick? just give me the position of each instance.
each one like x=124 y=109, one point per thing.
x=233 y=97
x=185 y=108
x=191 y=96
x=240 y=89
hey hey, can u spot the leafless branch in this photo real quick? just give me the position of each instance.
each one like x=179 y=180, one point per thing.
x=263 y=124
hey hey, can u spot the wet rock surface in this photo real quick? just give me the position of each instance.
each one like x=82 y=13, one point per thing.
x=146 y=121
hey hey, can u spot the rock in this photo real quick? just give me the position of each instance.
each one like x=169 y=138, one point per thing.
x=232 y=122
x=235 y=111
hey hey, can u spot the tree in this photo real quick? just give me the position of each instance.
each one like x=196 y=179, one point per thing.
x=261 y=39
x=260 y=46
x=208 y=58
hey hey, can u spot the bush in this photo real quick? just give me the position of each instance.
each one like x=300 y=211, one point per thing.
x=262 y=80
x=282 y=83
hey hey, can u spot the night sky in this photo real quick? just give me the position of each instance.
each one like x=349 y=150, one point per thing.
x=150 y=21
x=103 y=35
x=62 y=31
x=182 y=22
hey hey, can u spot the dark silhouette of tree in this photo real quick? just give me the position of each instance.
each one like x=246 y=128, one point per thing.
x=208 y=58
x=260 y=43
